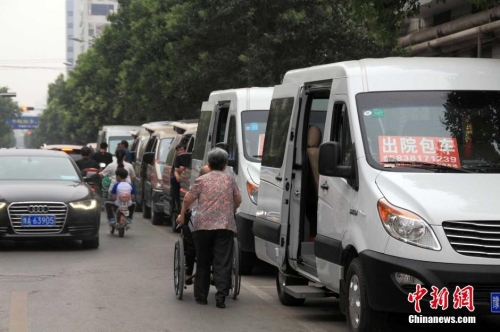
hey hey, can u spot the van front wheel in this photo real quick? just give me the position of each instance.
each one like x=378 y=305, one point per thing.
x=360 y=317
x=282 y=281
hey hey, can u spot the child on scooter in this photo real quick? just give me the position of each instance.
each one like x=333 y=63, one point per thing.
x=121 y=187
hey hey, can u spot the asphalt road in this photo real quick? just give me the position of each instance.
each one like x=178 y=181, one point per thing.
x=127 y=285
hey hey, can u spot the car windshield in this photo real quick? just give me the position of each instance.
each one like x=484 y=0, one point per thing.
x=37 y=168
x=254 y=129
x=115 y=140
x=408 y=130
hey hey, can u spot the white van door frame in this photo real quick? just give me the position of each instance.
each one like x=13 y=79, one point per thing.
x=198 y=163
x=334 y=203
x=271 y=223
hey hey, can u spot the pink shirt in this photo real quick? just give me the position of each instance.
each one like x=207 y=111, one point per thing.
x=215 y=192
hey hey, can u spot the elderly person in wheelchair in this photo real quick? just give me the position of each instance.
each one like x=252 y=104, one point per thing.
x=214 y=228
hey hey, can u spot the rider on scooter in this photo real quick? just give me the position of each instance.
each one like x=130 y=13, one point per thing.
x=121 y=187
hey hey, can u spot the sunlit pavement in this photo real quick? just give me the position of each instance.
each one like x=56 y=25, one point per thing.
x=127 y=285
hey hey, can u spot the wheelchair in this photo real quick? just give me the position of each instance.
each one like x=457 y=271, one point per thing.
x=180 y=282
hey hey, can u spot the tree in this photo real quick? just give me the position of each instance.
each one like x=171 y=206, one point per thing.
x=8 y=110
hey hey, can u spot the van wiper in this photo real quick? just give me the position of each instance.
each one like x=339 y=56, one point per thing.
x=423 y=165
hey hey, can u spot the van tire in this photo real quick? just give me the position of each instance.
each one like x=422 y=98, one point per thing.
x=247 y=261
x=285 y=298
x=146 y=211
x=157 y=217
x=356 y=287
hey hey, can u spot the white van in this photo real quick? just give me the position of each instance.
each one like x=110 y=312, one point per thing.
x=237 y=117
x=403 y=190
x=113 y=135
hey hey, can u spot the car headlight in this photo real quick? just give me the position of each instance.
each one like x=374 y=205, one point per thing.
x=253 y=191
x=406 y=226
x=84 y=205
x=2 y=205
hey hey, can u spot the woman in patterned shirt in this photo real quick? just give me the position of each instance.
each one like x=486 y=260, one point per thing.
x=214 y=229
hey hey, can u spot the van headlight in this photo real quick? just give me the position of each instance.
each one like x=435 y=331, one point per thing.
x=84 y=205
x=253 y=191
x=2 y=205
x=406 y=226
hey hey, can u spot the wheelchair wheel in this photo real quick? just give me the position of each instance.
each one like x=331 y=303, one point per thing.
x=235 y=271
x=179 y=269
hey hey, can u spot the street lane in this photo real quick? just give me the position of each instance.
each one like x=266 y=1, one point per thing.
x=127 y=285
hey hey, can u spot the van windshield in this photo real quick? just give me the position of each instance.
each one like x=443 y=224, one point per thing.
x=115 y=140
x=254 y=131
x=408 y=130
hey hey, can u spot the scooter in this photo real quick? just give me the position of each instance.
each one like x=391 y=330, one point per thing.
x=121 y=214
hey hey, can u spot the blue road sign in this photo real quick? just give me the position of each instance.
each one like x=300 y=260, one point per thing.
x=24 y=122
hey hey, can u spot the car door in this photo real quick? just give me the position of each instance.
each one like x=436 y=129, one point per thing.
x=271 y=222
x=334 y=198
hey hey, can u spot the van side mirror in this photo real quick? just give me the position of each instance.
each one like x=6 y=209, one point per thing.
x=148 y=157
x=185 y=159
x=329 y=161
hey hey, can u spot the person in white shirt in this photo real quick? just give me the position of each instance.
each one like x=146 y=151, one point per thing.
x=120 y=162
x=119 y=188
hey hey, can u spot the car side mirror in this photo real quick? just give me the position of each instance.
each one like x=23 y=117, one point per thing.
x=185 y=159
x=148 y=157
x=330 y=163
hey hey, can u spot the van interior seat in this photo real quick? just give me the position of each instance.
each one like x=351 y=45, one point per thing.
x=313 y=142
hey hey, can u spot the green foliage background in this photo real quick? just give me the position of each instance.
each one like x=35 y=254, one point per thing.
x=160 y=59
x=8 y=110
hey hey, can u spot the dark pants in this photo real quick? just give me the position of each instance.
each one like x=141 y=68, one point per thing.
x=110 y=205
x=213 y=246
x=176 y=193
x=189 y=248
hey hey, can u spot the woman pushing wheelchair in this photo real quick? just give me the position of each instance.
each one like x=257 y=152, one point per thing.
x=214 y=227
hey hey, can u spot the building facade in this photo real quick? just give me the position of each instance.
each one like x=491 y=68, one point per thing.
x=453 y=29
x=86 y=20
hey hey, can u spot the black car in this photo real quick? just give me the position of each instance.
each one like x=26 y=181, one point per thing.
x=44 y=197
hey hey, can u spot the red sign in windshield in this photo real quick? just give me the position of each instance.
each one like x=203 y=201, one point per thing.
x=435 y=150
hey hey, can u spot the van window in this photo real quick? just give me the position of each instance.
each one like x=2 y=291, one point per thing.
x=342 y=133
x=171 y=151
x=254 y=125
x=231 y=139
x=202 y=134
x=221 y=125
x=277 y=132
x=163 y=150
x=190 y=145
x=115 y=140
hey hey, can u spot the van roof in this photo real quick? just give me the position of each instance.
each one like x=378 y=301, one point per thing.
x=403 y=74
x=165 y=131
x=255 y=98
x=182 y=127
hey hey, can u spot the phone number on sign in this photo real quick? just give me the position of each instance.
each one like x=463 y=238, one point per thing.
x=429 y=159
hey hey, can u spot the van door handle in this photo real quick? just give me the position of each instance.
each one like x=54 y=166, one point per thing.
x=278 y=177
x=325 y=186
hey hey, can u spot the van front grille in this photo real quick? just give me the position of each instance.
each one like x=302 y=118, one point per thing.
x=474 y=238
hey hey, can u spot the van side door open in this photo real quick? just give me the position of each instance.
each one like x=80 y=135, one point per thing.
x=271 y=222
x=203 y=138
x=333 y=221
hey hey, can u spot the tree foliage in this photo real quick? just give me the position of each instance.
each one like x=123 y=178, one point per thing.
x=8 y=110
x=160 y=59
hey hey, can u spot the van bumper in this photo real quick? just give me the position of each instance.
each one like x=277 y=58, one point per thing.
x=386 y=294
x=244 y=226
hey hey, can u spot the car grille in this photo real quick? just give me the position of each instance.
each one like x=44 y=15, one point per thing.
x=474 y=238
x=17 y=210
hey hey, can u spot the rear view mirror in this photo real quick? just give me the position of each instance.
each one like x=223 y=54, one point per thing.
x=185 y=159
x=148 y=157
x=330 y=163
